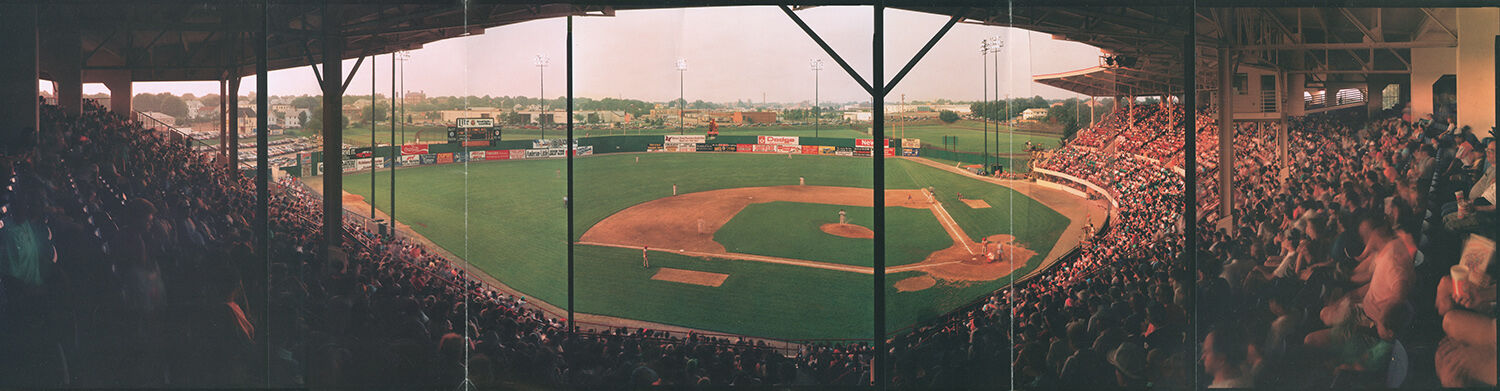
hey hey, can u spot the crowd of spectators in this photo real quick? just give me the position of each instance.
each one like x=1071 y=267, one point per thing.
x=1338 y=271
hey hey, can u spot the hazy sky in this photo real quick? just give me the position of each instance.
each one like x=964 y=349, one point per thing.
x=731 y=52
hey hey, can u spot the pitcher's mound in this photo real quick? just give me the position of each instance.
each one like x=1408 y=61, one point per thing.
x=848 y=231
x=915 y=283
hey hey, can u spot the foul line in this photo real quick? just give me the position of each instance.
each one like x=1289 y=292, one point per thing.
x=782 y=261
x=954 y=231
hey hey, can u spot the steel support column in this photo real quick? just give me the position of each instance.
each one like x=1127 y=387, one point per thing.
x=18 y=73
x=333 y=131
x=878 y=92
x=234 y=126
x=1226 y=137
x=569 y=198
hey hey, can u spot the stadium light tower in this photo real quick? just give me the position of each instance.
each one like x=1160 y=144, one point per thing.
x=994 y=46
x=984 y=109
x=541 y=62
x=681 y=101
x=817 y=65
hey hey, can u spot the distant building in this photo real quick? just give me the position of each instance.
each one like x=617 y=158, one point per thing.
x=416 y=97
x=451 y=116
x=858 y=116
x=1034 y=114
x=753 y=117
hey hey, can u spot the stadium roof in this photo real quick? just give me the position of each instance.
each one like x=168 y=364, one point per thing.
x=185 y=40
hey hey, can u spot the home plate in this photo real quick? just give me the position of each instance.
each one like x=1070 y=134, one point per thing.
x=976 y=204
x=690 y=277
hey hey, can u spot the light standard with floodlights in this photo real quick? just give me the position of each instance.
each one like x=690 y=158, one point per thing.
x=541 y=64
x=994 y=45
x=817 y=65
x=984 y=109
x=681 y=101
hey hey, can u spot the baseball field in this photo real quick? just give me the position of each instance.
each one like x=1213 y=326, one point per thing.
x=744 y=247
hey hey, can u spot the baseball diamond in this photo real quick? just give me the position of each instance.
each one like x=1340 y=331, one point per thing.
x=761 y=230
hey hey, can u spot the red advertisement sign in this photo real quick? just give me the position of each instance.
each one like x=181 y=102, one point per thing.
x=869 y=143
x=445 y=158
x=809 y=150
x=479 y=143
x=496 y=154
x=890 y=152
x=788 y=149
x=414 y=149
x=744 y=147
x=784 y=140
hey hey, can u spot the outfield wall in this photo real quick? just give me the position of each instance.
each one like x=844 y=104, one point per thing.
x=360 y=159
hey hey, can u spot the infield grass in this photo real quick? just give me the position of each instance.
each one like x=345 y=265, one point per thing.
x=793 y=230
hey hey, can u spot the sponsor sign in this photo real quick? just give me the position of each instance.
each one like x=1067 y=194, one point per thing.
x=551 y=143
x=536 y=154
x=411 y=160
x=726 y=147
x=429 y=158
x=465 y=123
x=810 y=150
x=445 y=158
x=653 y=148
x=776 y=140
x=789 y=149
x=557 y=152
x=765 y=148
x=476 y=155
x=869 y=143
x=477 y=143
x=684 y=139
x=863 y=152
x=744 y=147
x=681 y=147
x=705 y=147
x=890 y=152
x=911 y=143
x=460 y=157
x=496 y=154
x=516 y=154
x=584 y=150
x=910 y=152
x=413 y=149
x=826 y=150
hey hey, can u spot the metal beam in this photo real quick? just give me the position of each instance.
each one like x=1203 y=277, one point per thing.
x=827 y=49
x=913 y=62
x=1439 y=22
x=1349 y=45
x=1352 y=72
x=352 y=71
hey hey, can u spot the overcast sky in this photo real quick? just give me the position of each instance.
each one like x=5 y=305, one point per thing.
x=731 y=53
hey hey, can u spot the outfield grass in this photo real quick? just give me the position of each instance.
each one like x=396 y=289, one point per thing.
x=797 y=233
x=509 y=221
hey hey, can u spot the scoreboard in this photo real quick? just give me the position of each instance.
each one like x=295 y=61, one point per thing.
x=474 y=129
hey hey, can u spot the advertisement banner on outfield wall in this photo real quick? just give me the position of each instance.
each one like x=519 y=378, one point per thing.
x=445 y=158
x=681 y=147
x=517 y=154
x=429 y=158
x=476 y=155
x=536 y=154
x=911 y=143
x=414 y=149
x=726 y=147
x=765 y=148
x=827 y=150
x=460 y=157
x=863 y=152
x=869 y=143
x=653 y=148
x=890 y=152
x=809 y=150
x=584 y=150
x=684 y=139
x=551 y=143
x=557 y=152
x=411 y=160
x=781 y=140
x=911 y=152
x=744 y=147
x=797 y=149
x=477 y=143
x=497 y=154
x=350 y=165
x=705 y=147
x=843 y=151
